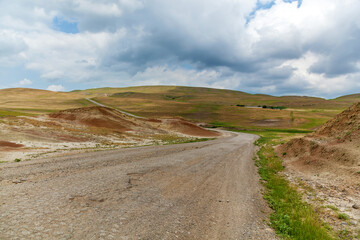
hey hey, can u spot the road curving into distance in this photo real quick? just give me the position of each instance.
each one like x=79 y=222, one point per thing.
x=123 y=112
x=203 y=190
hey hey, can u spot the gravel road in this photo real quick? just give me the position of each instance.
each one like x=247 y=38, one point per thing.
x=204 y=190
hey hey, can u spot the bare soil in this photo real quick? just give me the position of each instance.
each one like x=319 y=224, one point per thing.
x=86 y=129
x=10 y=144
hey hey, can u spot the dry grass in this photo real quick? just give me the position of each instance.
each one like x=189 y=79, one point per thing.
x=197 y=104
x=33 y=101
x=215 y=105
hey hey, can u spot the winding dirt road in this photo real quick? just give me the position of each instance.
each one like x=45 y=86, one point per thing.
x=204 y=190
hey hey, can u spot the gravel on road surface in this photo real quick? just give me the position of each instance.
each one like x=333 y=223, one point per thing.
x=203 y=190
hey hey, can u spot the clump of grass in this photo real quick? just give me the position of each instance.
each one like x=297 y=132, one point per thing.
x=344 y=234
x=198 y=140
x=332 y=207
x=358 y=234
x=343 y=216
x=292 y=218
x=17 y=160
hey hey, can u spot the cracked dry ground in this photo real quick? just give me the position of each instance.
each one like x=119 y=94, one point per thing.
x=204 y=190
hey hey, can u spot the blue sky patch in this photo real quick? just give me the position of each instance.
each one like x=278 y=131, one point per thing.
x=63 y=25
x=259 y=6
x=262 y=6
x=188 y=66
x=290 y=1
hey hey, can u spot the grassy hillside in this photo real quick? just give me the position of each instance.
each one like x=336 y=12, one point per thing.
x=25 y=101
x=213 y=106
x=220 y=107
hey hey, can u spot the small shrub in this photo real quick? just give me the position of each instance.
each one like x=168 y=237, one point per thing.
x=284 y=153
x=17 y=160
x=343 y=216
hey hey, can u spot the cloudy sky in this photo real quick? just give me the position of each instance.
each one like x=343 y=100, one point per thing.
x=278 y=47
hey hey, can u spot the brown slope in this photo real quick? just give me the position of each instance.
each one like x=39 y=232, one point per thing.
x=182 y=126
x=345 y=123
x=101 y=117
x=328 y=162
x=333 y=147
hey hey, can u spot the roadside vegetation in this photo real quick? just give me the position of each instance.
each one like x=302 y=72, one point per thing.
x=292 y=218
x=166 y=139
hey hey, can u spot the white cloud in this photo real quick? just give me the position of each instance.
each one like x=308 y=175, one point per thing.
x=56 y=88
x=281 y=50
x=25 y=82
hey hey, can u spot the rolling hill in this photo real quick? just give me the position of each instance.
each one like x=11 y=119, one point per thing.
x=213 y=107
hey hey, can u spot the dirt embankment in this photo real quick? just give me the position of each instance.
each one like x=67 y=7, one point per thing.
x=10 y=144
x=86 y=128
x=328 y=161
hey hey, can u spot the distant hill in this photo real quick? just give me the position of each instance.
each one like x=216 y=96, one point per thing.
x=220 y=107
x=349 y=98
x=22 y=101
x=216 y=107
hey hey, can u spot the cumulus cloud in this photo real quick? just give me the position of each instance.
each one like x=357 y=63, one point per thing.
x=56 y=88
x=268 y=46
x=25 y=82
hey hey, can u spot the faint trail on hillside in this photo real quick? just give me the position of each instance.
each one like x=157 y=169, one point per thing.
x=102 y=105
x=204 y=190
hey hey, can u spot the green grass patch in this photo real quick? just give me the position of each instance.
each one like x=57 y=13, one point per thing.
x=167 y=139
x=343 y=216
x=231 y=127
x=313 y=123
x=332 y=207
x=9 y=113
x=198 y=140
x=292 y=218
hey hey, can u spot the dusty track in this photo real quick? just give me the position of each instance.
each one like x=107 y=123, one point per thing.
x=206 y=190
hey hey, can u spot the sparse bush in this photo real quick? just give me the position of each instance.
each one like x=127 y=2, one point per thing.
x=17 y=160
x=343 y=216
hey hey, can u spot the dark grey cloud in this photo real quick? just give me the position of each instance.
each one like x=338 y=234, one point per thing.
x=282 y=48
